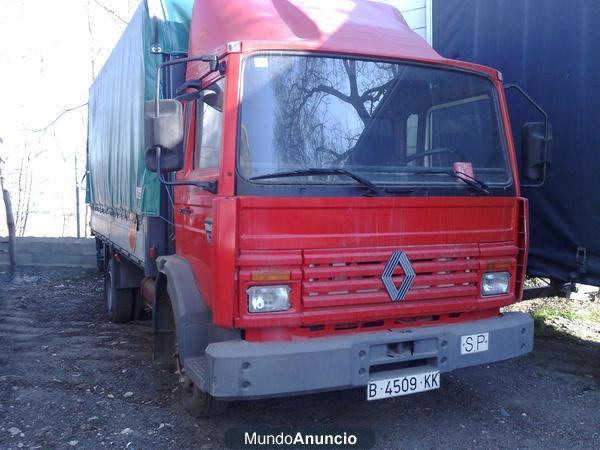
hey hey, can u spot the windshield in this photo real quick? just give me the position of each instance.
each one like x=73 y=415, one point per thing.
x=390 y=123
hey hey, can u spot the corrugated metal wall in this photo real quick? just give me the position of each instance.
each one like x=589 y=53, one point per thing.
x=417 y=13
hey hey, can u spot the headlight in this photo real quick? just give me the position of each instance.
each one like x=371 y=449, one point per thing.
x=495 y=283
x=264 y=299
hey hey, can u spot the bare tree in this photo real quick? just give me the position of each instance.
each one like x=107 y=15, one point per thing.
x=313 y=93
x=25 y=181
x=10 y=221
x=58 y=117
x=111 y=12
x=19 y=173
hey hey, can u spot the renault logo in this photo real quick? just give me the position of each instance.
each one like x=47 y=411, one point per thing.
x=398 y=293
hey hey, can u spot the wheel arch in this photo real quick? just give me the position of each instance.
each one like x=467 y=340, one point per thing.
x=190 y=318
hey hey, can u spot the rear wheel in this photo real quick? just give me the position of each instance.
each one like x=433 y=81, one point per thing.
x=100 y=251
x=119 y=302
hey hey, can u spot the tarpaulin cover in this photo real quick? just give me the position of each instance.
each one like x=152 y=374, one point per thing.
x=118 y=182
x=551 y=48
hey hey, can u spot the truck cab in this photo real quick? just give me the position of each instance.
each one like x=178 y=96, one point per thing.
x=346 y=207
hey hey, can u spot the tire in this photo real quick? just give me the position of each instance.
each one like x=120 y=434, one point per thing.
x=119 y=302
x=196 y=402
x=100 y=255
x=199 y=404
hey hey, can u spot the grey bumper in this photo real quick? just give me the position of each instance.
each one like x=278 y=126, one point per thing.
x=240 y=369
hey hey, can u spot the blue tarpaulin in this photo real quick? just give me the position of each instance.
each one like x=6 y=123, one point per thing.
x=551 y=48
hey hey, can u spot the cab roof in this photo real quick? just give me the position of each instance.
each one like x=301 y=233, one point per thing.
x=356 y=27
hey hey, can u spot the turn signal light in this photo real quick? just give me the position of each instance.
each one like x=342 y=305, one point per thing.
x=499 y=265
x=271 y=275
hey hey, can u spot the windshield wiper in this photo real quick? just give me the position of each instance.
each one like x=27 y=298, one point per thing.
x=332 y=171
x=469 y=180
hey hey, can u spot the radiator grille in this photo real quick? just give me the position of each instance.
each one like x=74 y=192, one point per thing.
x=353 y=277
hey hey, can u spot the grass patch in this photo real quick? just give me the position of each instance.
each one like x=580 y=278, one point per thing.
x=536 y=282
x=542 y=320
x=594 y=316
x=547 y=314
x=558 y=317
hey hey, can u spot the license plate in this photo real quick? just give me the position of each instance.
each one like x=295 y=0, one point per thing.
x=409 y=384
x=474 y=343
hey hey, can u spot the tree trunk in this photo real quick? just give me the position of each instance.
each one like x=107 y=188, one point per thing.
x=10 y=223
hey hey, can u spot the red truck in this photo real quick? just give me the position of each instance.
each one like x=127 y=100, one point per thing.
x=307 y=197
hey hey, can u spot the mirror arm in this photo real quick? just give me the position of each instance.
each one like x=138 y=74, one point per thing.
x=190 y=96
x=209 y=186
x=546 y=132
x=190 y=84
x=212 y=60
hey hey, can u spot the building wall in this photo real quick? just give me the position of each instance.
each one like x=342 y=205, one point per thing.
x=51 y=253
x=416 y=13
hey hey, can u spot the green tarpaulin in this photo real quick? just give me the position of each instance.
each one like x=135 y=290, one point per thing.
x=118 y=182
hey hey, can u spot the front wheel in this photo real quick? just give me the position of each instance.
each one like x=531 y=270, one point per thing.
x=198 y=403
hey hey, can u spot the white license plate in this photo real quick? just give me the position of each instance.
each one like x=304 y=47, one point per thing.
x=474 y=343
x=409 y=384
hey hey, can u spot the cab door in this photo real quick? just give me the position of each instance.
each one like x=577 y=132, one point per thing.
x=194 y=205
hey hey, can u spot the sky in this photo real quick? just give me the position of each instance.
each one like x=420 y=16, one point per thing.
x=51 y=52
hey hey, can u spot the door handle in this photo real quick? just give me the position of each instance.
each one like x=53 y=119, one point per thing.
x=186 y=211
x=208 y=227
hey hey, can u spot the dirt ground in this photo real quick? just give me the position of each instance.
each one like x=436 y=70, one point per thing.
x=69 y=379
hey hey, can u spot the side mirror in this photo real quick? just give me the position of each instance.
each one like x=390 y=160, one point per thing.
x=536 y=145
x=536 y=150
x=164 y=132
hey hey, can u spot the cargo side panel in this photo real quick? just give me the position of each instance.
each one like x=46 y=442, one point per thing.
x=120 y=185
x=124 y=197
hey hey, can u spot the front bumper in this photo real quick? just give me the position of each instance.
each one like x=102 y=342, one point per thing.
x=242 y=370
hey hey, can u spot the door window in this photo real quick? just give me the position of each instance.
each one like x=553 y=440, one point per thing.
x=467 y=128
x=209 y=127
x=412 y=132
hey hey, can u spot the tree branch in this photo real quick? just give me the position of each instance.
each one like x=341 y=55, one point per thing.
x=110 y=11
x=331 y=91
x=379 y=90
x=60 y=116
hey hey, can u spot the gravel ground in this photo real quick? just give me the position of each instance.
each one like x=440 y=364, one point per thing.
x=69 y=379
